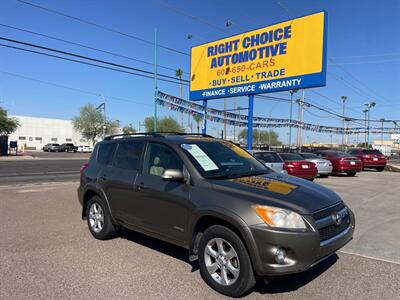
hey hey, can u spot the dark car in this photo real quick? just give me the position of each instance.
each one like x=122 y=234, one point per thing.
x=232 y=213
x=296 y=165
x=342 y=162
x=67 y=147
x=52 y=147
x=370 y=158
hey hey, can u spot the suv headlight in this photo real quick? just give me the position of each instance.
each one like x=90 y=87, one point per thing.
x=279 y=217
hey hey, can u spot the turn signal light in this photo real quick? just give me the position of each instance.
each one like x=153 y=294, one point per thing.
x=83 y=167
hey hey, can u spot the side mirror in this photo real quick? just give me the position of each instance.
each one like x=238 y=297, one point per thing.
x=173 y=175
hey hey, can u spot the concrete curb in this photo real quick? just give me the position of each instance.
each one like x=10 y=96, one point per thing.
x=392 y=168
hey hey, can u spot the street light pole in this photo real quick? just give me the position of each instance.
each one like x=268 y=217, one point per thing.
x=369 y=105
x=365 y=111
x=290 y=116
x=382 y=121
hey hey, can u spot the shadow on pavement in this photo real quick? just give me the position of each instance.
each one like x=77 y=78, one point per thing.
x=288 y=283
x=280 y=284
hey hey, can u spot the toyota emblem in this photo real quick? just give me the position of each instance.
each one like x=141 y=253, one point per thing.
x=337 y=218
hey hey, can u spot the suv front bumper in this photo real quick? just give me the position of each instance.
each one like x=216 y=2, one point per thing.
x=303 y=249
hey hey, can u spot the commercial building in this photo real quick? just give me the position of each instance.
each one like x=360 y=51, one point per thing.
x=33 y=133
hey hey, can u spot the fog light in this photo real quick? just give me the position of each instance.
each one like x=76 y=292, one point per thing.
x=280 y=255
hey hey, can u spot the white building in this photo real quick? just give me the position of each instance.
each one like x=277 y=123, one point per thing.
x=33 y=133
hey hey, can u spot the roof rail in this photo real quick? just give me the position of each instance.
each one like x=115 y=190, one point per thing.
x=111 y=137
x=155 y=134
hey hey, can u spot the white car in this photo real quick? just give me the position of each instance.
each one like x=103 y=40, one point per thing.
x=84 y=149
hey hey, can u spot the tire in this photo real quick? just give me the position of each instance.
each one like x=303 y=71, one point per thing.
x=351 y=174
x=380 y=169
x=233 y=285
x=99 y=219
x=323 y=175
x=311 y=179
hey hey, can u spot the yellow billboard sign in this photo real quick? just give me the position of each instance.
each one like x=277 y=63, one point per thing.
x=284 y=56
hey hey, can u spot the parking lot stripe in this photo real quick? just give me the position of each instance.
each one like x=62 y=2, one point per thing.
x=370 y=257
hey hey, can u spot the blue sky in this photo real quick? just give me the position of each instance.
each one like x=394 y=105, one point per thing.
x=361 y=41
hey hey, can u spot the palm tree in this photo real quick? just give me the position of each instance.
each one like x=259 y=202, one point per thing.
x=179 y=73
x=198 y=119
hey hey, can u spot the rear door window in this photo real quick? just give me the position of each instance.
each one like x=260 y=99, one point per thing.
x=268 y=157
x=127 y=155
x=375 y=152
x=105 y=153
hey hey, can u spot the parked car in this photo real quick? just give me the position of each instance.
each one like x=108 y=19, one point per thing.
x=232 y=213
x=52 y=147
x=342 y=162
x=85 y=149
x=370 y=158
x=67 y=147
x=324 y=166
x=297 y=166
x=271 y=159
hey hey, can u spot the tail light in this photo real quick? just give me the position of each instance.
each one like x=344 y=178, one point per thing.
x=287 y=165
x=84 y=167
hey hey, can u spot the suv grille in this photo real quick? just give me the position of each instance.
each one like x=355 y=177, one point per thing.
x=328 y=229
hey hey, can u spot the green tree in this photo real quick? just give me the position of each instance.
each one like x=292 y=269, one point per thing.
x=7 y=125
x=261 y=137
x=166 y=124
x=198 y=119
x=128 y=129
x=90 y=123
x=364 y=145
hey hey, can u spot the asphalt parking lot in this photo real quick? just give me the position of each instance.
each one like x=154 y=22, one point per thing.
x=46 y=251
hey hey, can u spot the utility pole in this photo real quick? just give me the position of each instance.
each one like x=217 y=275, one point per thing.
x=302 y=119
x=155 y=81
x=344 y=98
x=369 y=105
x=298 y=101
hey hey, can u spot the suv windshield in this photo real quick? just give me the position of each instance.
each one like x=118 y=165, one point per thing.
x=219 y=159
x=309 y=155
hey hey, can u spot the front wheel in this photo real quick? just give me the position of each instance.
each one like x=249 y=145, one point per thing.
x=224 y=262
x=99 y=219
x=351 y=174
x=380 y=169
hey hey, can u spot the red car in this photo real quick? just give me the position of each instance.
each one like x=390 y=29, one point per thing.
x=342 y=162
x=370 y=158
x=296 y=165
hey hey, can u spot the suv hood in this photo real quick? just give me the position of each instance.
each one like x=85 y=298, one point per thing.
x=279 y=190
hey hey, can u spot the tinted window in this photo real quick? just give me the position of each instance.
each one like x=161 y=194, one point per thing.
x=291 y=156
x=309 y=155
x=341 y=154
x=105 y=153
x=160 y=158
x=268 y=157
x=372 y=152
x=128 y=155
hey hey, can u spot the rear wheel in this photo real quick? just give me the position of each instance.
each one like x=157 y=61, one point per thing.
x=224 y=262
x=323 y=175
x=311 y=179
x=99 y=219
x=380 y=169
x=351 y=174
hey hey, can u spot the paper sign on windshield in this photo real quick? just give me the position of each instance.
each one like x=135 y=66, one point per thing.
x=201 y=157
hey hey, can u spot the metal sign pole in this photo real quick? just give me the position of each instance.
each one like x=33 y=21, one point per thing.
x=250 y=123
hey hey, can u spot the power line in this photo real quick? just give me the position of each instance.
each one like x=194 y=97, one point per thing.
x=87 y=47
x=102 y=27
x=366 y=56
x=187 y=14
x=72 y=88
x=86 y=58
x=368 y=62
x=85 y=63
